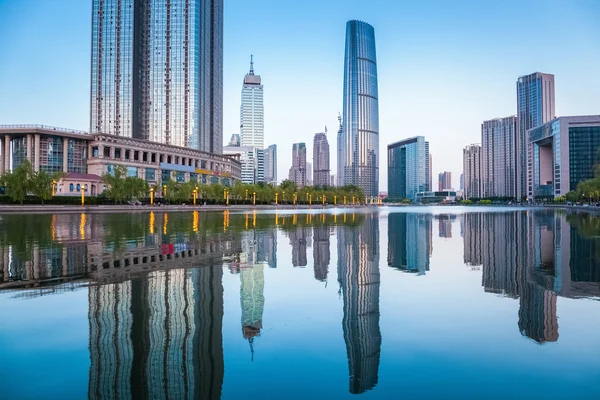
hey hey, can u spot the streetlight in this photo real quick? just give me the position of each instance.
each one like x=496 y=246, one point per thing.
x=253 y=198
x=344 y=200
x=310 y=199
x=295 y=196
x=151 y=196
x=335 y=200
x=165 y=190
x=54 y=188
x=276 y=197
x=246 y=194
x=82 y=189
x=195 y=194
x=323 y=199
x=352 y=200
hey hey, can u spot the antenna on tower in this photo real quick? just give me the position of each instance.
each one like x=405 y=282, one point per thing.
x=251 y=64
x=326 y=129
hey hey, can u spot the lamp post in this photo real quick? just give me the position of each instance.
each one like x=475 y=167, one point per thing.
x=82 y=189
x=323 y=199
x=195 y=194
x=151 y=196
x=253 y=198
x=54 y=188
x=164 y=190
x=227 y=203
x=335 y=200
x=246 y=194
x=352 y=200
x=276 y=197
x=344 y=200
x=295 y=196
x=310 y=200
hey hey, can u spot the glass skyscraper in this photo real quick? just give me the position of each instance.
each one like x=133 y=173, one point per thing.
x=408 y=168
x=360 y=131
x=252 y=119
x=535 y=106
x=157 y=71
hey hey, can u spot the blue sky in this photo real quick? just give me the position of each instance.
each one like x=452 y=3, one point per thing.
x=444 y=67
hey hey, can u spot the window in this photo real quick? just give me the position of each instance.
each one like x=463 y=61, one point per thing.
x=78 y=187
x=71 y=187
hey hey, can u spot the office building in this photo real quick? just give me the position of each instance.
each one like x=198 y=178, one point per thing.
x=340 y=151
x=248 y=157
x=500 y=158
x=564 y=153
x=235 y=140
x=270 y=156
x=360 y=130
x=157 y=72
x=471 y=176
x=408 y=168
x=535 y=106
x=298 y=169
x=333 y=181
x=430 y=172
x=445 y=181
x=321 y=160
x=252 y=120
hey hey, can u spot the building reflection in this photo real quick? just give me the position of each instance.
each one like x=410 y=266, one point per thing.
x=358 y=275
x=445 y=224
x=321 y=252
x=300 y=239
x=533 y=257
x=410 y=242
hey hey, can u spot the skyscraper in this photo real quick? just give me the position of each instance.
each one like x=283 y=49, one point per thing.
x=252 y=119
x=321 y=160
x=157 y=71
x=235 y=140
x=408 y=168
x=340 y=154
x=471 y=177
x=360 y=130
x=535 y=106
x=445 y=180
x=298 y=169
x=499 y=159
x=271 y=164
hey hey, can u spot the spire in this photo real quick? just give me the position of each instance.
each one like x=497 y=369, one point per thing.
x=326 y=129
x=251 y=64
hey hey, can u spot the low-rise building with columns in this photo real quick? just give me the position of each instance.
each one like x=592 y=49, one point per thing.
x=78 y=153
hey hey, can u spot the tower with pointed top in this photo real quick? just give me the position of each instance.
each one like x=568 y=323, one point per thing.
x=252 y=120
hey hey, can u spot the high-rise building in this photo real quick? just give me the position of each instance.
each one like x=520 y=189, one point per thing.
x=252 y=119
x=360 y=130
x=444 y=180
x=535 y=106
x=340 y=157
x=249 y=160
x=333 y=180
x=430 y=172
x=565 y=151
x=309 y=174
x=321 y=252
x=157 y=71
x=235 y=140
x=298 y=168
x=409 y=242
x=408 y=168
x=270 y=155
x=471 y=176
x=321 y=160
x=499 y=159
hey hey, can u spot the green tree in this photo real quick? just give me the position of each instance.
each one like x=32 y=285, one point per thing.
x=19 y=182
x=116 y=186
x=41 y=184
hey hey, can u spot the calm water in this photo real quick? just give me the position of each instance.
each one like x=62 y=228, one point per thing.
x=404 y=303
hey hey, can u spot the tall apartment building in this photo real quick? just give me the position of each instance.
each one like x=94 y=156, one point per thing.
x=298 y=169
x=252 y=119
x=321 y=170
x=444 y=180
x=360 y=136
x=471 y=176
x=535 y=106
x=271 y=164
x=408 y=168
x=500 y=159
x=157 y=71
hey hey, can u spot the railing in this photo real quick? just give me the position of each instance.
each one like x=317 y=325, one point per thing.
x=45 y=127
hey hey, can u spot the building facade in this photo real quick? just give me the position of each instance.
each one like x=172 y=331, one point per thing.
x=252 y=119
x=408 y=168
x=52 y=149
x=471 y=176
x=157 y=71
x=564 y=153
x=248 y=157
x=271 y=164
x=360 y=130
x=535 y=106
x=500 y=159
x=298 y=169
x=445 y=180
x=339 y=179
x=309 y=174
x=321 y=169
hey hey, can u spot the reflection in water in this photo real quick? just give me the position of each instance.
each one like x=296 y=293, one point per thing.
x=358 y=275
x=410 y=242
x=156 y=319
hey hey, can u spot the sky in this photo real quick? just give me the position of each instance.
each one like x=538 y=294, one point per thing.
x=443 y=67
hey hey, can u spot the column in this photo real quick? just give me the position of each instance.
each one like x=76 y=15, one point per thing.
x=65 y=155
x=36 y=161
x=6 y=153
x=112 y=153
x=29 y=146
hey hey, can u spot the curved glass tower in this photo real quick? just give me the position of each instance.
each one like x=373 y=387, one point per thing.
x=360 y=133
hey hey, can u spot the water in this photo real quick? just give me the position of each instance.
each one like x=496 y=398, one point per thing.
x=403 y=303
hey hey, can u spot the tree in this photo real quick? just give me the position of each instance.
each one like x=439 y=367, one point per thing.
x=19 y=182
x=115 y=182
x=288 y=186
x=41 y=184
